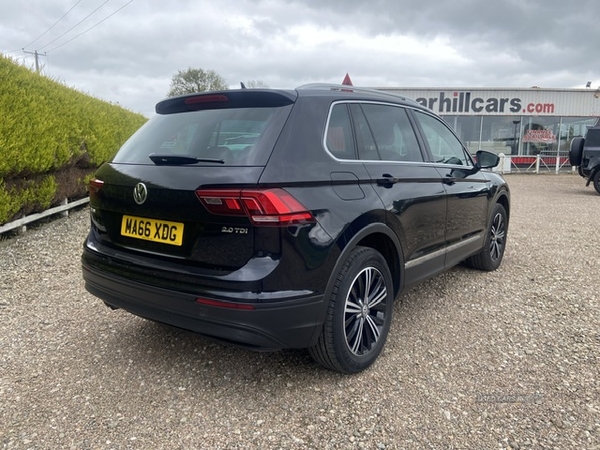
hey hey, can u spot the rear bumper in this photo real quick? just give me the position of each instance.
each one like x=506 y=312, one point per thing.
x=286 y=323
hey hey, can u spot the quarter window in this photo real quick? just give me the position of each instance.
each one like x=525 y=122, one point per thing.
x=339 y=140
x=444 y=145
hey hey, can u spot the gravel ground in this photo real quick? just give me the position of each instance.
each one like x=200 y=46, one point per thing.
x=474 y=360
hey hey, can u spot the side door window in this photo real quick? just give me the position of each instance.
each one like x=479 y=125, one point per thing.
x=467 y=191
x=386 y=133
x=411 y=190
x=444 y=145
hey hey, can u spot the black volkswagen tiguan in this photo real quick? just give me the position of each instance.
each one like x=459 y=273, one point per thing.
x=280 y=219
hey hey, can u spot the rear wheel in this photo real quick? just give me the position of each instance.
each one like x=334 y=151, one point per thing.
x=596 y=181
x=490 y=256
x=359 y=314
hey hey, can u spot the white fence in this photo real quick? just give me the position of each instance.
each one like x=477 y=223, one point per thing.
x=63 y=210
x=533 y=164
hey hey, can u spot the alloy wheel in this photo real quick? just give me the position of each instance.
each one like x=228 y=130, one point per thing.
x=497 y=238
x=364 y=311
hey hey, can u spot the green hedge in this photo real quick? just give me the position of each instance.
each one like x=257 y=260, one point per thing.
x=51 y=139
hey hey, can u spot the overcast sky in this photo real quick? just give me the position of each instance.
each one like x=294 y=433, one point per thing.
x=130 y=57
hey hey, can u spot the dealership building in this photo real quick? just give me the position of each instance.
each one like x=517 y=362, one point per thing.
x=522 y=122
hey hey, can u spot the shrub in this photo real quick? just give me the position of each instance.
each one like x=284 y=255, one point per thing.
x=52 y=132
x=26 y=196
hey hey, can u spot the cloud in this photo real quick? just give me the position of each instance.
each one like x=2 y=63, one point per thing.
x=131 y=57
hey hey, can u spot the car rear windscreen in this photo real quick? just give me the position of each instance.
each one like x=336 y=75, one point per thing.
x=230 y=136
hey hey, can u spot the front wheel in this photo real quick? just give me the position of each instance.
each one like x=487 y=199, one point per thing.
x=490 y=256
x=359 y=313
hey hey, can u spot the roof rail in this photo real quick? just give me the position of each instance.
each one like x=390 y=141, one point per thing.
x=346 y=88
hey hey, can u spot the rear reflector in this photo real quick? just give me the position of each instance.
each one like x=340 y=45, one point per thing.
x=221 y=304
x=268 y=207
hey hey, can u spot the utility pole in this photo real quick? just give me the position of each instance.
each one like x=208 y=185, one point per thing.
x=37 y=55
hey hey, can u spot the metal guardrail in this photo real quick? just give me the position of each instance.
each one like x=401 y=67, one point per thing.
x=62 y=209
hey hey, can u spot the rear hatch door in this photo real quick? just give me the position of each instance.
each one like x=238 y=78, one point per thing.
x=155 y=196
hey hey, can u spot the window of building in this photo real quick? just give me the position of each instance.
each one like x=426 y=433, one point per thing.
x=501 y=134
x=572 y=127
x=520 y=135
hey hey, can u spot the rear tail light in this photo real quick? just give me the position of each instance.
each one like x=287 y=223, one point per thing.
x=95 y=186
x=269 y=207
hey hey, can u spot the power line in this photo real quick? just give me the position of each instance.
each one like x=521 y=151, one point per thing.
x=53 y=25
x=94 y=26
x=54 y=40
x=18 y=50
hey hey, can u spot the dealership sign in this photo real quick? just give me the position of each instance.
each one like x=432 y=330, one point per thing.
x=518 y=102
x=539 y=136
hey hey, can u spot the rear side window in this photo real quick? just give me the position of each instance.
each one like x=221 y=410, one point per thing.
x=339 y=139
x=385 y=133
x=236 y=136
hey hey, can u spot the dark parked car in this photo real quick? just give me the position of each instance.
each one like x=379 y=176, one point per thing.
x=585 y=155
x=289 y=218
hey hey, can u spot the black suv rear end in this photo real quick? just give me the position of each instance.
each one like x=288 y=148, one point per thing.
x=585 y=155
x=288 y=219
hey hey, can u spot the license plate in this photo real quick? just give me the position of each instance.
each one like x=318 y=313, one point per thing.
x=152 y=230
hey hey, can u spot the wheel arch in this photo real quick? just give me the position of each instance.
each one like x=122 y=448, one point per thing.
x=386 y=246
x=380 y=237
x=505 y=202
x=593 y=172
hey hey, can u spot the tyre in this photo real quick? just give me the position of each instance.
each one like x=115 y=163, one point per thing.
x=576 y=151
x=359 y=314
x=490 y=256
x=596 y=181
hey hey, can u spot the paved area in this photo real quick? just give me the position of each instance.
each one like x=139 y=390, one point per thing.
x=504 y=360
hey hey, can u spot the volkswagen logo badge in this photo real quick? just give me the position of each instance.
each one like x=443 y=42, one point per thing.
x=140 y=193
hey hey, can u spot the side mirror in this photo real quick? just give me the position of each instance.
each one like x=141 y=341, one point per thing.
x=486 y=160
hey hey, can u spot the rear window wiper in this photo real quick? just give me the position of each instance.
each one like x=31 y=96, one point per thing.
x=176 y=160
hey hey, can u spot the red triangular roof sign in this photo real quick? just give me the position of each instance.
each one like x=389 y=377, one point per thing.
x=347 y=81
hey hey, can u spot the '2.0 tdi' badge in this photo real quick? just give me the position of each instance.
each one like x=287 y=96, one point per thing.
x=140 y=193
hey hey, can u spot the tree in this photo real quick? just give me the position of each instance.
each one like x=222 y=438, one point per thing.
x=256 y=84
x=196 y=80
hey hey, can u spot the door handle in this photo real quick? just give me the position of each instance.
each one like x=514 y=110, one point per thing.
x=449 y=180
x=387 y=180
